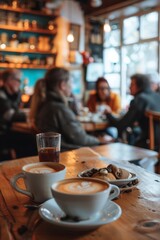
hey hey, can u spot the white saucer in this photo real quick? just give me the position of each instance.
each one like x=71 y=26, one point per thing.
x=51 y=213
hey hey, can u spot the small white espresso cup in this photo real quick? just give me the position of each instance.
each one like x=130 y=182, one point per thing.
x=38 y=178
x=83 y=197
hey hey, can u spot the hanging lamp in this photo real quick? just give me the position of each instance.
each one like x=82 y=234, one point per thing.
x=70 y=36
x=107 y=27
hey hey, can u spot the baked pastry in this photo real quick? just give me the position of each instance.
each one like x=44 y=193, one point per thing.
x=109 y=173
x=104 y=175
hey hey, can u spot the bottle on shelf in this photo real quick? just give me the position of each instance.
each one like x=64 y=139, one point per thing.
x=13 y=42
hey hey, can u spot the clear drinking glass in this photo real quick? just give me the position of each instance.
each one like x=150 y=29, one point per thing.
x=48 y=145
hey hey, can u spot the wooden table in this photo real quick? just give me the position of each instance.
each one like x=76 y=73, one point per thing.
x=124 y=152
x=29 y=128
x=24 y=127
x=142 y=203
x=94 y=126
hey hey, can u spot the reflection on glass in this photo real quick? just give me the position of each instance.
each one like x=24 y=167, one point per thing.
x=111 y=58
x=112 y=38
x=140 y=58
x=149 y=25
x=130 y=30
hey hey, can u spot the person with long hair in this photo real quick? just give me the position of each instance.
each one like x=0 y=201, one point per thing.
x=37 y=99
x=103 y=98
x=56 y=115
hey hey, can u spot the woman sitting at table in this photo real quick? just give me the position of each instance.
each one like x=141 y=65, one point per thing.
x=102 y=99
x=39 y=96
x=56 y=115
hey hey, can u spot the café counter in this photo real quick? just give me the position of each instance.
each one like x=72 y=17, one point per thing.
x=140 y=206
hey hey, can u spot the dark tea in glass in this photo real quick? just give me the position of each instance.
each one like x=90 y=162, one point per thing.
x=48 y=146
x=48 y=154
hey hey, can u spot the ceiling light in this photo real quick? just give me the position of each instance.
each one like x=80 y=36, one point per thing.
x=70 y=37
x=107 y=27
x=96 y=3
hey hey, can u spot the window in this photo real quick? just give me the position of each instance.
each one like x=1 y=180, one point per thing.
x=149 y=25
x=137 y=53
x=112 y=39
x=130 y=30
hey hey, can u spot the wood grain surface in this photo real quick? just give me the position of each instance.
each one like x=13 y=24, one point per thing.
x=142 y=203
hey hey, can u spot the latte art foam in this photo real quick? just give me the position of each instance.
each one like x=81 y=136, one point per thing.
x=81 y=187
x=41 y=169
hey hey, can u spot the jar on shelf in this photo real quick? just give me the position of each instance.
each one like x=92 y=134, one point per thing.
x=20 y=23
x=13 y=42
x=15 y=3
x=51 y=25
x=3 y=18
x=26 y=24
x=32 y=42
x=3 y=40
x=34 y=24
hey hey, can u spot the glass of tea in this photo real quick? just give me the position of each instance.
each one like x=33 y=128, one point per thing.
x=48 y=145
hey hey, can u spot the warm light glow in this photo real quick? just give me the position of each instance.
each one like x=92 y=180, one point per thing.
x=107 y=27
x=25 y=98
x=70 y=37
x=3 y=46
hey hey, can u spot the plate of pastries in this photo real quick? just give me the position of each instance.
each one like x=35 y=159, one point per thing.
x=113 y=174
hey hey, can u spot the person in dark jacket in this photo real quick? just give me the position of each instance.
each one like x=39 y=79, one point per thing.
x=144 y=99
x=56 y=115
x=10 y=98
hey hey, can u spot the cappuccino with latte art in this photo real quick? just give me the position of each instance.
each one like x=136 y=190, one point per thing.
x=83 y=197
x=41 y=169
x=81 y=187
x=38 y=178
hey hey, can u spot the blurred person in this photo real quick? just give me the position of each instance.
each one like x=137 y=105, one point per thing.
x=144 y=99
x=10 y=97
x=134 y=132
x=73 y=103
x=102 y=99
x=39 y=96
x=1 y=81
x=37 y=99
x=56 y=115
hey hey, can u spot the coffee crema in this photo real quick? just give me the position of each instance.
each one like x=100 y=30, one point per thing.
x=41 y=169
x=81 y=187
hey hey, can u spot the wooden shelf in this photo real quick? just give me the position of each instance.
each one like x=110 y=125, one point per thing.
x=24 y=66
x=16 y=50
x=28 y=11
x=36 y=30
x=41 y=31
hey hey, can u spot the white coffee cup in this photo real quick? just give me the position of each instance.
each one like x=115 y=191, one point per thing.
x=83 y=197
x=38 y=178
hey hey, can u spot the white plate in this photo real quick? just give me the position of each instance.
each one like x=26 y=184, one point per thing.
x=118 y=182
x=52 y=213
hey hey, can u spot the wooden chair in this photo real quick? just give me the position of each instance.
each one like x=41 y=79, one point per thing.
x=154 y=119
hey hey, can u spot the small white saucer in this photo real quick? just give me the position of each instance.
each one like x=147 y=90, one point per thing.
x=52 y=213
